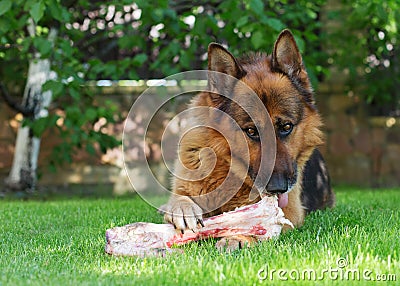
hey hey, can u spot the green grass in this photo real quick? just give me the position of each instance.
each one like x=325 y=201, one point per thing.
x=61 y=242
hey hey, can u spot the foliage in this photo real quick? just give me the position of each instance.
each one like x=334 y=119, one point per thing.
x=366 y=44
x=64 y=245
x=153 y=39
x=75 y=112
x=125 y=40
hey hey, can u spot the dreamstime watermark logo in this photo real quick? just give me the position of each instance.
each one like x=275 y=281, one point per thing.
x=341 y=272
x=187 y=126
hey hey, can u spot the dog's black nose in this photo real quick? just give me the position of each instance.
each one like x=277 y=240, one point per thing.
x=279 y=183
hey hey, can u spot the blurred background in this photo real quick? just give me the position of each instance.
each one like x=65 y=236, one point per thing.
x=70 y=71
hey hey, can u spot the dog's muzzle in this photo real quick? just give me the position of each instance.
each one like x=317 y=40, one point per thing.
x=280 y=184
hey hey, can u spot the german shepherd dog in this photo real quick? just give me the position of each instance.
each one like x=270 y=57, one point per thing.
x=299 y=176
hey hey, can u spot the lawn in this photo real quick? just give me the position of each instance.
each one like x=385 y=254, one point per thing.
x=61 y=242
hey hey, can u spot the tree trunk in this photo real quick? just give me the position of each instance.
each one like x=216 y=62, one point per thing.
x=23 y=175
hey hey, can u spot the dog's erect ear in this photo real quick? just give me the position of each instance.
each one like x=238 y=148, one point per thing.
x=221 y=63
x=286 y=56
x=221 y=60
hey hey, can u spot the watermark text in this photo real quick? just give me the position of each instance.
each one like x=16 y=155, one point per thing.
x=341 y=272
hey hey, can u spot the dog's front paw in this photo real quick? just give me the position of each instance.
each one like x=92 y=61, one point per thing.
x=232 y=243
x=183 y=213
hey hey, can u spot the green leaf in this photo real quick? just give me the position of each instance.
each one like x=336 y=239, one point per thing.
x=90 y=149
x=39 y=126
x=21 y=22
x=139 y=59
x=257 y=39
x=5 y=5
x=56 y=87
x=74 y=93
x=4 y=25
x=90 y=114
x=132 y=74
x=74 y=137
x=257 y=6
x=125 y=42
x=66 y=16
x=73 y=113
x=275 y=24
x=55 y=10
x=242 y=21
x=249 y=28
x=37 y=11
x=174 y=47
x=157 y=14
x=44 y=46
x=184 y=59
x=170 y=13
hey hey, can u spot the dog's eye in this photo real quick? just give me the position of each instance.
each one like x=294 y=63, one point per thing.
x=285 y=129
x=252 y=133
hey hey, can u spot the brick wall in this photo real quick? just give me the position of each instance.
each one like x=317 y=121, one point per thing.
x=360 y=150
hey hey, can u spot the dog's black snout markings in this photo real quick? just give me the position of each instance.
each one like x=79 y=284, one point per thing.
x=280 y=182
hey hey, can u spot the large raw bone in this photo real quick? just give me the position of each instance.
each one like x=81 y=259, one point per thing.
x=262 y=220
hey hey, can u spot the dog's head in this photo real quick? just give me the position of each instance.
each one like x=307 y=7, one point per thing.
x=282 y=84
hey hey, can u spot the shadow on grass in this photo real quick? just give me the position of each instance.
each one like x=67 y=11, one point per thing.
x=65 y=192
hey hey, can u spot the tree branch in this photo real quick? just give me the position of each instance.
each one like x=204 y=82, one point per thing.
x=13 y=104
